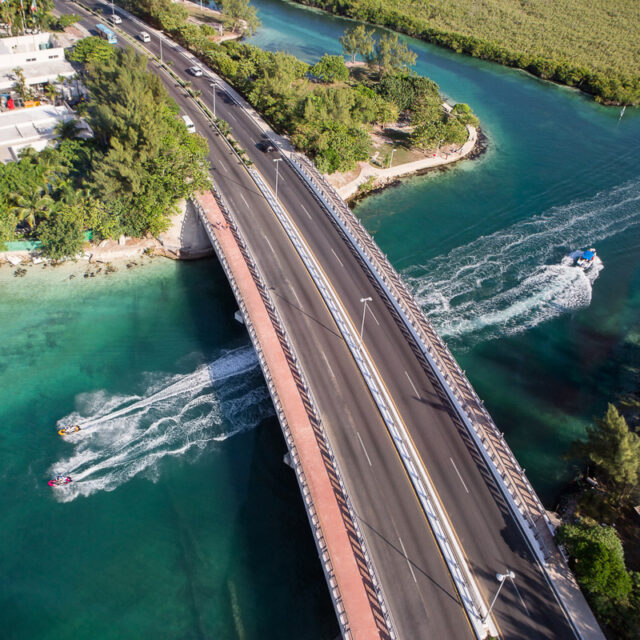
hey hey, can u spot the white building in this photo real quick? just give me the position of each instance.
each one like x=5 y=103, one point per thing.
x=34 y=127
x=40 y=56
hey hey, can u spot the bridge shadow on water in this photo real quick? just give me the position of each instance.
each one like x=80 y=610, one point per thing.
x=274 y=583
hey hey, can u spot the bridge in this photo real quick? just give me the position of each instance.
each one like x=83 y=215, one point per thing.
x=414 y=498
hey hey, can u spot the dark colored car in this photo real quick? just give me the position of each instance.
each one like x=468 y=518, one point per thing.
x=266 y=146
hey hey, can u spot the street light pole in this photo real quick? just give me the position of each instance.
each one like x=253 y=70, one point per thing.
x=364 y=311
x=160 y=38
x=391 y=159
x=501 y=579
x=213 y=91
x=112 y=11
x=277 y=161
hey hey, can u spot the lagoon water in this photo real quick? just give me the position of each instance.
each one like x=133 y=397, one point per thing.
x=183 y=521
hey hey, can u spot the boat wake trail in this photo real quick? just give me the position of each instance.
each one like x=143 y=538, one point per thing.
x=174 y=416
x=516 y=278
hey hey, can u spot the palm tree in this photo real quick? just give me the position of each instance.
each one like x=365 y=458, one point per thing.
x=32 y=207
x=51 y=92
x=67 y=194
x=68 y=129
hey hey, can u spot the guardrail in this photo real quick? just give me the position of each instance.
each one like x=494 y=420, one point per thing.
x=508 y=473
x=418 y=476
x=311 y=405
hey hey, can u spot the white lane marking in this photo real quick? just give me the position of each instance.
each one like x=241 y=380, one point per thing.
x=295 y=295
x=267 y=239
x=221 y=166
x=459 y=476
x=513 y=582
x=338 y=259
x=324 y=357
x=305 y=210
x=243 y=200
x=406 y=557
x=365 y=451
x=413 y=386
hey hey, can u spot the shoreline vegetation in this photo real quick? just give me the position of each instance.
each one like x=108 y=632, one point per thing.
x=592 y=45
x=600 y=530
x=126 y=180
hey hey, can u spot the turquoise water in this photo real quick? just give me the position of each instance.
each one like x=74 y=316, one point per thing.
x=482 y=244
x=182 y=520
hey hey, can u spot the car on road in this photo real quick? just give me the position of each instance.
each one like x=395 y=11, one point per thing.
x=195 y=71
x=115 y=19
x=191 y=128
x=144 y=36
x=266 y=146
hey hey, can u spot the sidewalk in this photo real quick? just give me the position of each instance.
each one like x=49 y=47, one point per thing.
x=382 y=176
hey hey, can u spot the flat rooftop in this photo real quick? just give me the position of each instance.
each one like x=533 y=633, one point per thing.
x=29 y=128
x=36 y=73
x=27 y=43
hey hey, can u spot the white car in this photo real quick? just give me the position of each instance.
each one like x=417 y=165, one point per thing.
x=144 y=36
x=115 y=19
x=191 y=128
x=195 y=71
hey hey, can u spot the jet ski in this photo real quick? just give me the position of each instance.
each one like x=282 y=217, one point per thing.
x=59 y=481
x=68 y=430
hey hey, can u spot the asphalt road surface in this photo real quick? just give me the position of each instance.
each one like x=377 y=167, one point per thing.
x=419 y=590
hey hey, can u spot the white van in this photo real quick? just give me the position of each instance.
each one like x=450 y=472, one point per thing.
x=144 y=36
x=191 y=128
x=115 y=19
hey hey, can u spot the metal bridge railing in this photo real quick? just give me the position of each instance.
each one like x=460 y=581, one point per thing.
x=469 y=406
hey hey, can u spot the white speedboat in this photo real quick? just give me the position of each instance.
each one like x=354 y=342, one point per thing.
x=584 y=259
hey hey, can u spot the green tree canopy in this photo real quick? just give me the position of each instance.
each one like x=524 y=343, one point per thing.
x=392 y=55
x=462 y=112
x=597 y=559
x=358 y=41
x=62 y=236
x=407 y=91
x=615 y=449
x=330 y=69
x=91 y=49
x=149 y=160
x=17 y=17
x=240 y=15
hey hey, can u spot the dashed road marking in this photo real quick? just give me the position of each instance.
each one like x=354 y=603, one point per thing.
x=338 y=259
x=406 y=557
x=365 y=451
x=413 y=386
x=459 y=476
x=305 y=210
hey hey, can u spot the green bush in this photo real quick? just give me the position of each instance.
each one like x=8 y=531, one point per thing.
x=597 y=560
x=330 y=69
x=62 y=235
